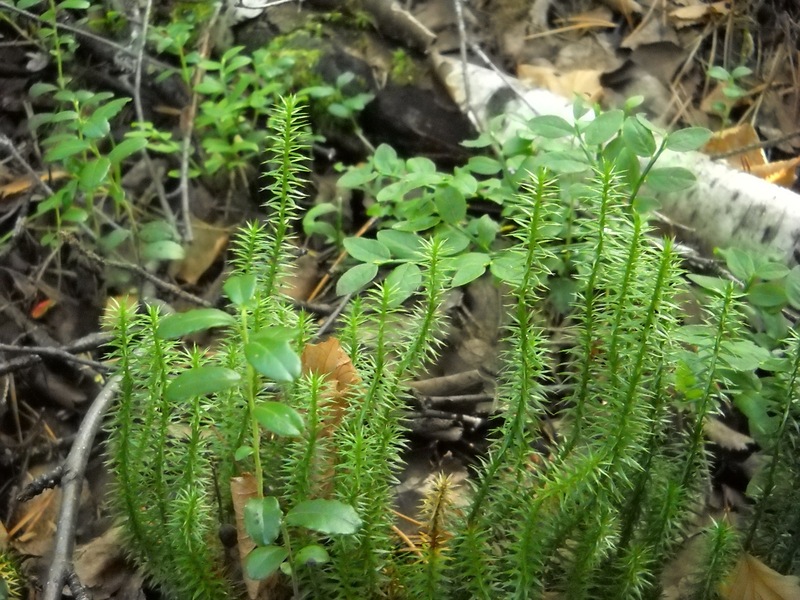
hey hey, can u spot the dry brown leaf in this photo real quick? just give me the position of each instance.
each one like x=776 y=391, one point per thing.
x=34 y=526
x=243 y=489
x=208 y=243
x=733 y=138
x=751 y=159
x=23 y=184
x=626 y=7
x=780 y=172
x=302 y=278
x=699 y=13
x=751 y=579
x=328 y=358
x=583 y=82
x=102 y=566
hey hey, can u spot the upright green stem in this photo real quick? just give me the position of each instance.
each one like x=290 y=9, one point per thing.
x=255 y=428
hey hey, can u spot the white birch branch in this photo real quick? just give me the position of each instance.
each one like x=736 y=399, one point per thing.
x=725 y=208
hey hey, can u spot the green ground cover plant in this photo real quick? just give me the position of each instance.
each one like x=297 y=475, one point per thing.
x=598 y=512
x=90 y=136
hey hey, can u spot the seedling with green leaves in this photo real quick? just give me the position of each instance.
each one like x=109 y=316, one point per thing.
x=413 y=198
x=731 y=89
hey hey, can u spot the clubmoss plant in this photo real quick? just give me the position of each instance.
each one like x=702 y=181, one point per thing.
x=596 y=511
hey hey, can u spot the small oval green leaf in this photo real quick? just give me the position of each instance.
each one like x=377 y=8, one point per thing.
x=126 y=148
x=66 y=148
x=603 y=127
x=450 y=204
x=356 y=278
x=483 y=165
x=402 y=244
x=200 y=319
x=264 y=561
x=279 y=419
x=262 y=519
x=638 y=138
x=405 y=279
x=366 y=250
x=93 y=174
x=243 y=452
x=768 y=295
x=469 y=267
x=670 y=179
x=200 y=381
x=240 y=289
x=272 y=356
x=163 y=250
x=325 y=516
x=688 y=139
x=550 y=126
x=312 y=555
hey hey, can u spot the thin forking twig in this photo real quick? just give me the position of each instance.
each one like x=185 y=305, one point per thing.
x=71 y=486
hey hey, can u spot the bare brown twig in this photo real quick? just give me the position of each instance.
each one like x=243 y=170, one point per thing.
x=71 y=485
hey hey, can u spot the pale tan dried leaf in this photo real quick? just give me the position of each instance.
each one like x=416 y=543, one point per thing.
x=103 y=568
x=582 y=82
x=780 y=172
x=699 y=13
x=302 y=278
x=625 y=7
x=32 y=531
x=725 y=437
x=208 y=243
x=734 y=138
x=329 y=358
x=752 y=158
x=244 y=488
x=751 y=579
x=23 y=184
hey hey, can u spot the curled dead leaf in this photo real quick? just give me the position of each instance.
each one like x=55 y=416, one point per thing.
x=329 y=359
x=243 y=489
x=751 y=579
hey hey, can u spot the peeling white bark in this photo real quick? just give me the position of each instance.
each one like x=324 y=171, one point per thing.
x=725 y=208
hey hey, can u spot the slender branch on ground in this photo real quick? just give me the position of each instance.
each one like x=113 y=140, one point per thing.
x=22 y=218
x=71 y=486
x=427 y=413
x=36 y=332
x=137 y=104
x=514 y=87
x=45 y=481
x=448 y=384
x=58 y=353
x=66 y=352
x=187 y=126
x=458 y=399
x=76 y=587
x=137 y=270
x=331 y=319
x=35 y=177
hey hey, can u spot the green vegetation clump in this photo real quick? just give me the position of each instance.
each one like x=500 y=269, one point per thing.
x=597 y=513
x=590 y=500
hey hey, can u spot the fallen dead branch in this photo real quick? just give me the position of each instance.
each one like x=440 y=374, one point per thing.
x=71 y=485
